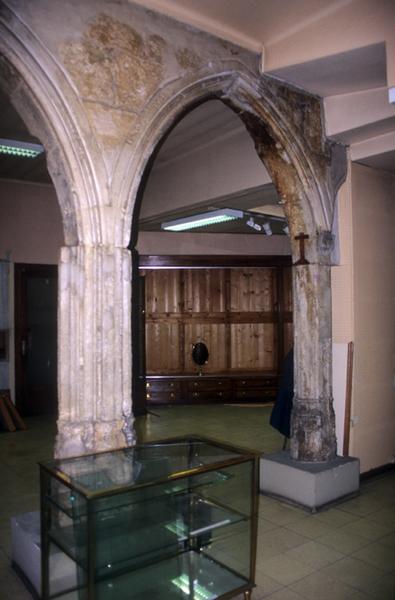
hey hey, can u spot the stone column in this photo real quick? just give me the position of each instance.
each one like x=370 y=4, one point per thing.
x=94 y=350
x=313 y=437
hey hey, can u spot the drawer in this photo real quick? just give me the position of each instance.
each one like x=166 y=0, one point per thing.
x=154 y=397
x=209 y=385
x=256 y=394
x=213 y=396
x=256 y=383
x=162 y=385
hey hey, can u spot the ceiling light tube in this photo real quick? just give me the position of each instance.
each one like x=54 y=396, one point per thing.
x=203 y=219
x=21 y=149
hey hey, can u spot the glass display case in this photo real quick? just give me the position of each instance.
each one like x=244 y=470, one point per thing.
x=175 y=519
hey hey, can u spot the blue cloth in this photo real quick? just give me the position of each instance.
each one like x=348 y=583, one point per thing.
x=280 y=418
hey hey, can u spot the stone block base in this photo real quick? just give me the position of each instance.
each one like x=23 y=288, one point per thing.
x=311 y=485
x=26 y=557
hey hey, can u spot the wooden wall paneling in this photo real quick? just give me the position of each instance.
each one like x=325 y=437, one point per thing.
x=251 y=290
x=214 y=336
x=252 y=347
x=163 y=347
x=228 y=337
x=163 y=292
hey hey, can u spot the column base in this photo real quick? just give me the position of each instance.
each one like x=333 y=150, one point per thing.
x=78 y=438
x=311 y=485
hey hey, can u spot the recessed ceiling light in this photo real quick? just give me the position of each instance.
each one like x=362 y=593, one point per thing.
x=21 y=149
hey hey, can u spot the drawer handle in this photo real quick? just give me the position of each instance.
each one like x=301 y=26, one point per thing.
x=171 y=395
x=148 y=396
x=195 y=394
x=172 y=385
x=195 y=383
x=147 y=385
x=219 y=393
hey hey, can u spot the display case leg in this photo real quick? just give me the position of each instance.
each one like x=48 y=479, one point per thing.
x=247 y=595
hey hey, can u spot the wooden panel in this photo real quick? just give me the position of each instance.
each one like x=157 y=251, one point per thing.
x=252 y=290
x=163 y=292
x=287 y=289
x=214 y=338
x=162 y=348
x=204 y=290
x=252 y=347
x=288 y=337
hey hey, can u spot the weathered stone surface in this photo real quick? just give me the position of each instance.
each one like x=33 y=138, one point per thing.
x=95 y=411
x=313 y=418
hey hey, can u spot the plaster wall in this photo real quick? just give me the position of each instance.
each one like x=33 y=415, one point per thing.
x=373 y=403
x=342 y=274
x=211 y=244
x=215 y=168
x=30 y=223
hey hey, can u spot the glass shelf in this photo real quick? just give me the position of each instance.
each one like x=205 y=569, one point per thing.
x=72 y=503
x=165 y=521
x=129 y=537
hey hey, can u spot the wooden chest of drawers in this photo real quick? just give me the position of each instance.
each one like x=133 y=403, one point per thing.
x=189 y=389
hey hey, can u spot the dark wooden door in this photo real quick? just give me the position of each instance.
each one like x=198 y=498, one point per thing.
x=36 y=339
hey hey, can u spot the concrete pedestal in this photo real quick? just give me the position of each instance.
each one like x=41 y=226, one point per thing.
x=26 y=557
x=312 y=485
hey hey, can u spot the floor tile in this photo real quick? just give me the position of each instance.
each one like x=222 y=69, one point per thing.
x=353 y=572
x=388 y=540
x=320 y=586
x=384 y=517
x=265 y=585
x=366 y=528
x=285 y=570
x=343 y=541
x=383 y=589
x=335 y=517
x=314 y=554
x=311 y=528
x=382 y=557
x=285 y=594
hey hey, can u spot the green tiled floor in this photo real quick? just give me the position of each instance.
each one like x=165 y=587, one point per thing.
x=347 y=552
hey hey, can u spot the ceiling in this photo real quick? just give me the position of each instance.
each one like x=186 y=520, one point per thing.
x=298 y=44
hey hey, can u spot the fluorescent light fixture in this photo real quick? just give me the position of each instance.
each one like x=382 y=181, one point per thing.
x=21 y=149
x=203 y=219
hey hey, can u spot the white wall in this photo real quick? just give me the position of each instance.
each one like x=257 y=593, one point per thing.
x=167 y=243
x=211 y=170
x=373 y=405
x=363 y=300
x=31 y=228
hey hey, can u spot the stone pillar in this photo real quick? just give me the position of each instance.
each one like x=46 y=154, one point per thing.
x=313 y=437
x=94 y=350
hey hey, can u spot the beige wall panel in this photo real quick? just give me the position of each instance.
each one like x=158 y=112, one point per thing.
x=373 y=403
x=31 y=229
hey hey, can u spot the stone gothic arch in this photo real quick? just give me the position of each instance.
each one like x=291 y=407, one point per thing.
x=286 y=126
x=97 y=201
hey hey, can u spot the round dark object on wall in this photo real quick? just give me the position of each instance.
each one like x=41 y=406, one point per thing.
x=200 y=353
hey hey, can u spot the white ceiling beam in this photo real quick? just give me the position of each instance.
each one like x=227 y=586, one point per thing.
x=354 y=24
x=373 y=146
x=350 y=111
